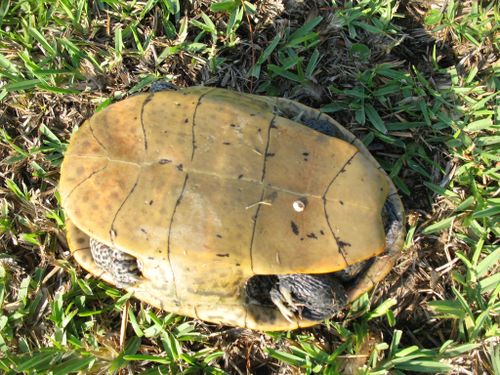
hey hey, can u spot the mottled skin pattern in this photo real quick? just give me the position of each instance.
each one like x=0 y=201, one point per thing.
x=314 y=297
x=122 y=266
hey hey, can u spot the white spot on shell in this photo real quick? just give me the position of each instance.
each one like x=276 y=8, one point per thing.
x=298 y=206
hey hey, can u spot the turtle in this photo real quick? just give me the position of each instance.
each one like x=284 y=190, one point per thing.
x=232 y=208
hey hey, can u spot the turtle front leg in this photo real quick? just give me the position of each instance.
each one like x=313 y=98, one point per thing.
x=282 y=298
x=122 y=266
x=305 y=296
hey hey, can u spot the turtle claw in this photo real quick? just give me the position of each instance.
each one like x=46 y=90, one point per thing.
x=125 y=280
x=287 y=296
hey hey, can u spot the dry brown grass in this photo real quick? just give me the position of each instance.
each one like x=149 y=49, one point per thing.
x=33 y=243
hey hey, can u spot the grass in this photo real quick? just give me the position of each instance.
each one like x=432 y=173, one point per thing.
x=416 y=81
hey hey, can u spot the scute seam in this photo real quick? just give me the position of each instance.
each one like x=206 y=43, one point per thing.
x=112 y=229
x=229 y=177
x=337 y=240
x=95 y=137
x=177 y=203
x=84 y=180
x=263 y=175
x=146 y=101
x=193 y=140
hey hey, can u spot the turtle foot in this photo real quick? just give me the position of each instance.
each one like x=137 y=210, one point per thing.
x=122 y=266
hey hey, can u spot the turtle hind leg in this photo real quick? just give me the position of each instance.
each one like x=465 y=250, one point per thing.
x=123 y=267
x=313 y=297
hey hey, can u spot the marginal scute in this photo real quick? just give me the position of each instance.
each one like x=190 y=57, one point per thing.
x=109 y=189
x=76 y=170
x=84 y=143
x=118 y=128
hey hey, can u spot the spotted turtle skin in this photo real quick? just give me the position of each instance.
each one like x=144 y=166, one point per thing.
x=200 y=186
x=121 y=265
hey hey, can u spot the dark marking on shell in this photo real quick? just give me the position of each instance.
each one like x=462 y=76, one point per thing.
x=322 y=232
x=295 y=228
x=227 y=143
x=343 y=244
x=150 y=202
x=223 y=255
x=186 y=120
x=165 y=161
x=180 y=167
x=80 y=240
x=271 y=154
x=218 y=235
x=272 y=197
x=341 y=202
x=312 y=235
x=240 y=177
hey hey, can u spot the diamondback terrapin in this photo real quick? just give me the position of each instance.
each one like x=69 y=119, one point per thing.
x=233 y=208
